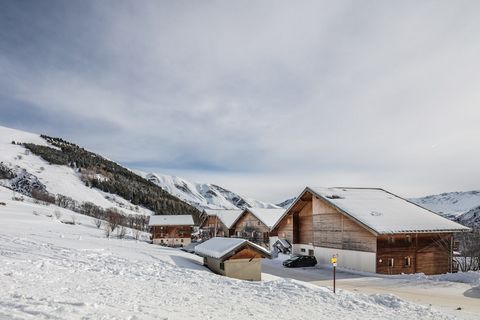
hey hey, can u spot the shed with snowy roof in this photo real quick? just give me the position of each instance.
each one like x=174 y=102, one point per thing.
x=171 y=230
x=369 y=229
x=233 y=257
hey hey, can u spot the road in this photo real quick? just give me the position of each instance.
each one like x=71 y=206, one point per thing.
x=441 y=295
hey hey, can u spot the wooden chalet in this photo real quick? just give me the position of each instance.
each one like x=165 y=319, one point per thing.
x=369 y=230
x=254 y=224
x=233 y=257
x=218 y=223
x=171 y=230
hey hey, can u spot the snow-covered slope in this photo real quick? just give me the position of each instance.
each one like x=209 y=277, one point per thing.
x=285 y=204
x=450 y=204
x=204 y=195
x=52 y=270
x=470 y=218
x=56 y=179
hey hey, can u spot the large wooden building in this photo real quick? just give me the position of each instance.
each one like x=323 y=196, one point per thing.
x=370 y=230
x=255 y=224
x=233 y=257
x=171 y=230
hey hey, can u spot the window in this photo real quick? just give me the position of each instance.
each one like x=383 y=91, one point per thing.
x=390 y=262
x=408 y=262
x=181 y=240
x=222 y=266
x=288 y=221
x=408 y=238
x=302 y=250
x=391 y=240
x=259 y=223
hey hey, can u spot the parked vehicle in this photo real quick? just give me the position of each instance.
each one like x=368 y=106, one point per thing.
x=300 y=261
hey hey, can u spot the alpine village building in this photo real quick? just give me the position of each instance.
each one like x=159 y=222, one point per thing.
x=171 y=230
x=253 y=224
x=233 y=257
x=370 y=230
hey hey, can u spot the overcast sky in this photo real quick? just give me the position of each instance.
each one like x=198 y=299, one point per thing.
x=262 y=97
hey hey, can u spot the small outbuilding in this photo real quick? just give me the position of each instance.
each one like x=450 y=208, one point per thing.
x=171 y=230
x=233 y=257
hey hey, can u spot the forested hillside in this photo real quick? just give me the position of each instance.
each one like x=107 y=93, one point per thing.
x=98 y=172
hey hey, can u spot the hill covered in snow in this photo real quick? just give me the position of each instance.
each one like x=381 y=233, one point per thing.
x=204 y=195
x=450 y=204
x=56 y=170
x=463 y=207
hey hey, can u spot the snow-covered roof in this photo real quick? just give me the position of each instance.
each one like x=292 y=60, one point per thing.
x=383 y=212
x=220 y=247
x=284 y=243
x=269 y=217
x=171 y=220
x=228 y=217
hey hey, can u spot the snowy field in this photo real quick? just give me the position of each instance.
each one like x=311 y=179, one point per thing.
x=53 y=270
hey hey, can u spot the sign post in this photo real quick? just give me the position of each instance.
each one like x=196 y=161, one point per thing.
x=333 y=260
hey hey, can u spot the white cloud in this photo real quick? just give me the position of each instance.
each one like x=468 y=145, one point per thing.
x=271 y=96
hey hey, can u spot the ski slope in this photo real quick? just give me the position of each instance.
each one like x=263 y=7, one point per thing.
x=53 y=270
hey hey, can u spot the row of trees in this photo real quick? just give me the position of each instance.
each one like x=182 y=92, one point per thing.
x=469 y=249
x=112 y=216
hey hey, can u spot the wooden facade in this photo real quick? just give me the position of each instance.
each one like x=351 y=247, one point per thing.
x=249 y=227
x=317 y=226
x=176 y=235
x=212 y=226
x=414 y=253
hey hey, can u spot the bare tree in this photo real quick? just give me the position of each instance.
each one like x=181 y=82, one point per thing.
x=136 y=233
x=114 y=218
x=121 y=232
x=469 y=247
x=107 y=230
x=97 y=222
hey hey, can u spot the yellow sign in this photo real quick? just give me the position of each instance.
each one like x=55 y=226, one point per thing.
x=333 y=260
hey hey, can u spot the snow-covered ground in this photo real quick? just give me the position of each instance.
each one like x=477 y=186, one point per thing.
x=52 y=270
x=455 y=294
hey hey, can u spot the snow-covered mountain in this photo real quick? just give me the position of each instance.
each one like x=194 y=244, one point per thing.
x=204 y=195
x=450 y=204
x=285 y=204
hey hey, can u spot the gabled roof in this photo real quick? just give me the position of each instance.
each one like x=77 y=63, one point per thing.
x=383 y=212
x=171 y=220
x=222 y=248
x=227 y=217
x=268 y=217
